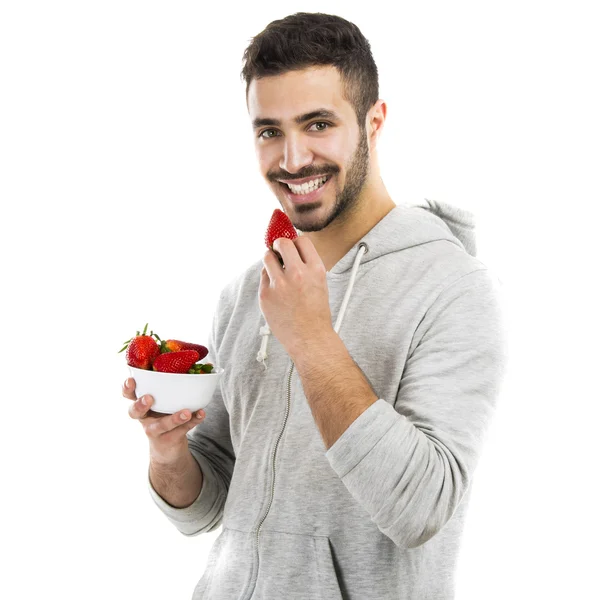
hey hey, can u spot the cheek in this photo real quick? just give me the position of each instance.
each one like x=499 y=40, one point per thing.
x=264 y=157
x=334 y=151
x=268 y=163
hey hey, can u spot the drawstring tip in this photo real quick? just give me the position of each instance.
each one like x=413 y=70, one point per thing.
x=261 y=357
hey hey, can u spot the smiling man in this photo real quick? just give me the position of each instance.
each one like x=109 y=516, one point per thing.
x=306 y=128
x=343 y=468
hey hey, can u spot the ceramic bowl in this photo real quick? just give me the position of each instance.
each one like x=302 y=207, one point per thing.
x=173 y=392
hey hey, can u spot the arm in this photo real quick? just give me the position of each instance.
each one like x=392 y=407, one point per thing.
x=192 y=493
x=409 y=460
x=336 y=388
x=178 y=483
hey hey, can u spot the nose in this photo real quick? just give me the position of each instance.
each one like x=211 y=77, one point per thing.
x=295 y=155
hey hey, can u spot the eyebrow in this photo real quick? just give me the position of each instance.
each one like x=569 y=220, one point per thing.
x=321 y=112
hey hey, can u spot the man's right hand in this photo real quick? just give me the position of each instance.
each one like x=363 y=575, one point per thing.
x=166 y=433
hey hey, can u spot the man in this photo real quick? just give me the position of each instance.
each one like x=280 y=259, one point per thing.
x=343 y=468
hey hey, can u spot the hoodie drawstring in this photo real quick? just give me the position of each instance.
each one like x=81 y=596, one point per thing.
x=265 y=331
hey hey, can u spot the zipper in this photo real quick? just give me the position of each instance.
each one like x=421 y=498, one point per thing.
x=274 y=457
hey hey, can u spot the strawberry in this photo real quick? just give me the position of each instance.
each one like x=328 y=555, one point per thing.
x=175 y=362
x=141 y=350
x=178 y=346
x=279 y=226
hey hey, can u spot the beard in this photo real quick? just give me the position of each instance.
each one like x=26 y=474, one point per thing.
x=347 y=199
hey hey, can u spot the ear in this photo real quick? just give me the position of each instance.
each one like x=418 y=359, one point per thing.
x=377 y=116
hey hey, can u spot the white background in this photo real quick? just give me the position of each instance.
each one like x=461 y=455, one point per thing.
x=131 y=194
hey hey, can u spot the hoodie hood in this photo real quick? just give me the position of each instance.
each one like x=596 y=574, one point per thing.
x=405 y=226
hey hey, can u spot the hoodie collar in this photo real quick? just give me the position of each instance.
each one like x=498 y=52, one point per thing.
x=406 y=226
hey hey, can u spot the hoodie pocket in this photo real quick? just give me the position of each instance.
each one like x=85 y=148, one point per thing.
x=295 y=567
x=228 y=567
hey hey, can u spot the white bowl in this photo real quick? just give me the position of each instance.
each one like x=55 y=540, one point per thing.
x=175 y=391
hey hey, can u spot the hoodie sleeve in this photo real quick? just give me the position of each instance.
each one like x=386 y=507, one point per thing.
x=410 y=462
x=210 y=444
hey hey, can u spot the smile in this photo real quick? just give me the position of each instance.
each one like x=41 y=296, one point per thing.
x=307 y=192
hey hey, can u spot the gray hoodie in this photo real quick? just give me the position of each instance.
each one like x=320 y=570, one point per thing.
x=380 y=514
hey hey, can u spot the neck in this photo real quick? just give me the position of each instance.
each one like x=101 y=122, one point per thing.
x=335 y=241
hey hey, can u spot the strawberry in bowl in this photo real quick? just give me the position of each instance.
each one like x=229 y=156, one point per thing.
x=170 y=372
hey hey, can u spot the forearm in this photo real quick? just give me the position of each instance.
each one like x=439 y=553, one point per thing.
x=335 y=387
x=178 y=483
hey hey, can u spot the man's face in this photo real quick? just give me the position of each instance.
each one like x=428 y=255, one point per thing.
x=321 y=145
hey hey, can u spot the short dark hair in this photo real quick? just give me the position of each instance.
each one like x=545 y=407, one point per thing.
x=302 y=40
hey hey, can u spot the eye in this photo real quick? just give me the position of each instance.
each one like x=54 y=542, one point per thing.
x=261 y=134
x=320 y=123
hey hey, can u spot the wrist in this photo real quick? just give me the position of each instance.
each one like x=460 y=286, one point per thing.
x=317 y=351
x=176 y=458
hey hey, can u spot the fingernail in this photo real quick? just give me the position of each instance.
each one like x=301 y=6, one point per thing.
x=144 y=401
x=126 y=383
x=183 y=416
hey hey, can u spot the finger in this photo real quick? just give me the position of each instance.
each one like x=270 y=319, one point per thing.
x=165 y=424
x=182 y=429
x=307 y=251
x=264 y=279
x=128 y=389
x=288 y=251
x=271 y=265
x=140 y=409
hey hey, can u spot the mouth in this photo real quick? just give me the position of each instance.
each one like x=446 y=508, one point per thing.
x=310 y=195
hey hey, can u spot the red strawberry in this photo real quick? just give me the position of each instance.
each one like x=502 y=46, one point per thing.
x=178 y=346
x=175 y=362
x=141 y=350
x=279 y=226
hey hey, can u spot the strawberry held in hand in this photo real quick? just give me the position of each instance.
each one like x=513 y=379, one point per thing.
x=279 y=226
x=293 y=297
x=141 y=350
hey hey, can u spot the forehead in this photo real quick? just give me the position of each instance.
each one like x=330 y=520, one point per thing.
x=286 y=96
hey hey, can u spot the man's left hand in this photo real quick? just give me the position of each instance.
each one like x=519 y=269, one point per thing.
x=295 y=300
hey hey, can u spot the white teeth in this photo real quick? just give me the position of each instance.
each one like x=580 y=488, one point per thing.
x=309 y=186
